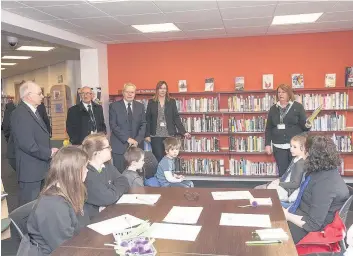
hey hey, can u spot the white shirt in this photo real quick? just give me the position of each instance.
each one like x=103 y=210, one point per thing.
x=86 y=105
x=31 y=107
x=126 y=105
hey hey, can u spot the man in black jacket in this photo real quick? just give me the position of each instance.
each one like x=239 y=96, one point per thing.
x=84 y=118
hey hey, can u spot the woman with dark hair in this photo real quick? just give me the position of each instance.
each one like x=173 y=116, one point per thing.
x=285 y=120
x=325 y=192
x=163 y=120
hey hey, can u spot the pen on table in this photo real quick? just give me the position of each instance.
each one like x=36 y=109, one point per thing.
x=263 y=242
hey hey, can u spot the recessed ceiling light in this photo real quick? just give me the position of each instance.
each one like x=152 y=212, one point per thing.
x=34 y=48
x=153 y=28
x=16 y=57
x=7 y=64
x=296 y=19
x=3 y=68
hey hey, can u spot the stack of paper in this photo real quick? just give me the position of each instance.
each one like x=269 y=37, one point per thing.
x=245 y=220
x=272 y=234
x=183 y=215
x=262 y=201
x=174 y=231
x=149 y=199
x=232 y=195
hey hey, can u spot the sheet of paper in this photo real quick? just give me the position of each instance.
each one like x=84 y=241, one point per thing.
x=263 y=201
x=119 y=223
x=184 y=215
x=245 y=220
x=149 y=199
x=272 y=234
x=231 y=195
x=174 y=231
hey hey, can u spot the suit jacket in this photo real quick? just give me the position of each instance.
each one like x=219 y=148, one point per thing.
x=78 y=122
x=43 y=113
x=32 y=144
x=119 y=125
x=172 y=118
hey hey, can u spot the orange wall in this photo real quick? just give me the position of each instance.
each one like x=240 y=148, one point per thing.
x=314 y=55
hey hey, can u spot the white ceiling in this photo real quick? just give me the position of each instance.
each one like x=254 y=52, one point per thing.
x=109 y=22
x=38 y=60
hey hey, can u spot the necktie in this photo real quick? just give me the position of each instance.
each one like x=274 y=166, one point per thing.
x=129 y=115
x=93 y=121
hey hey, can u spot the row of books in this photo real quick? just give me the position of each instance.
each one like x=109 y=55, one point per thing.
x=203 y=124
x=310 y=101
x=254 y=124
x=201 y=144
x=343 y=143
x=247 y=144
x=249 y=168
x=251 y=103
x=200 y=166
x=331 y=122
x=210 y=104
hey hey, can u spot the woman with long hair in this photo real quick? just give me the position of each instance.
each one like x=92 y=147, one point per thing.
x=163 y=120
x=325 y=192
x=285 y=120
x=58 y=213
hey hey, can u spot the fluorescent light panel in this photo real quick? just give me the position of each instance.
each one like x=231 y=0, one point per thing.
x=3 y=68
x=153 y=28
x=296 y=19
x=16 y=57
x=34 y=48
x=7 y=64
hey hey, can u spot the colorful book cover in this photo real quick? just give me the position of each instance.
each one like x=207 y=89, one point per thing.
x=330 y=80
x=182 y=86
x=267 y=81
x=239 y=83
x=209 y=84
x=349 y=76
x=297 y=81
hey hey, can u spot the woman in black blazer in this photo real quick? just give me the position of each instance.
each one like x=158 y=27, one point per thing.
x=163 y=120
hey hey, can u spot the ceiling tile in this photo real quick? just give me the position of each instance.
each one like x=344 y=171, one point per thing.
x=249 y=30
x=166 y=35
x=254 y=22
x=11 y=4
x=151 y=18
x=336 y=16
x=177 y=6
x=62 y=24
x=127 y=37
x=343 y=6
x=207 y=24
x=230 y=4
x=100 y=38
x=127 y=7
x=102 y=26
x=206 y=32
x=49 y=3
x=73 y=11
x=248 y=12
x=191 y=16
x=32 y=13
x=306 y=7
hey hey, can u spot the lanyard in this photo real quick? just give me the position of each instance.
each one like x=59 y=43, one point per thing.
x=281 y=117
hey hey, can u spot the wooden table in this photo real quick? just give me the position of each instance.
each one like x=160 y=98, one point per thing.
x=213 y=239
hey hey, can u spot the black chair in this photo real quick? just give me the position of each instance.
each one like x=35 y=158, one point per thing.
x=20 y=216
x=150 y=166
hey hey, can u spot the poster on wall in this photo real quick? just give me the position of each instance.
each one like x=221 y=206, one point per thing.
x=97 y=95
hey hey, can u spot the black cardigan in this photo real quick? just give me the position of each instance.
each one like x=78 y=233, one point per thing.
x=294 y=120
x=172 y=118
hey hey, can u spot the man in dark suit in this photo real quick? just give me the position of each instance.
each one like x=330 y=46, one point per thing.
x=32 y=142
x=84 y=118
x=127 y=123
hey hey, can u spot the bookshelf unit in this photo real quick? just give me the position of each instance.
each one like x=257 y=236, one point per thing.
x=338 y=109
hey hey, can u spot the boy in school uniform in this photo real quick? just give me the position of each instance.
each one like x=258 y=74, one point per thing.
x=135 y=159
x=166 y=167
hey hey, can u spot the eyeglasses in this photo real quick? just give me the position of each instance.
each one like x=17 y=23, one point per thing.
x=38 y=93
x=85 y=93
x=107 y=147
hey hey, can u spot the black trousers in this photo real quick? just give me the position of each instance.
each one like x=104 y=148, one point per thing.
x=283 y=158
x=158 y=147
x=29 y=191
x=296 y=232
x=119 y=162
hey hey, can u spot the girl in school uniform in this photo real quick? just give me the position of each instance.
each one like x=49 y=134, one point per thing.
x=58 y=214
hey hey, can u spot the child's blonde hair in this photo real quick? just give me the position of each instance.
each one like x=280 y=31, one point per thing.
x=301 y=139
x=171 y=143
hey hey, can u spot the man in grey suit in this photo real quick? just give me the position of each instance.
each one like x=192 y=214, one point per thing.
x=127 y=122
x=32 y=142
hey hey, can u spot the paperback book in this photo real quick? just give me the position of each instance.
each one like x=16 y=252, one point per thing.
x=239 y=83
x=297 y=81
x=267 y=81
x=330 y=80
x=182 y=86
x=349 y=76
x=209 y=84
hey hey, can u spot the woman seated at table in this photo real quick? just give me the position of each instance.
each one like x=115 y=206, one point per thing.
x=58 y=213
x=325 y=192
x=104 y=183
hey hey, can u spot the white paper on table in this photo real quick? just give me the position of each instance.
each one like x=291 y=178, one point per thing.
x=174 y=231
x=245 y=220
x=262 y=201
x=186 y=215
x=116 y=224
x=272 y=234
x=149 y=199
x=232 y=195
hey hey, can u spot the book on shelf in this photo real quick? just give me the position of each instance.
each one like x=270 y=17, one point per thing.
x=182 y=86
x=203 y=124
x=311 y=101
x=239 y=103
x=195 y=144
x=255 y=124
x=267 y=81
x=209 y=104
x=239 y=83
x=249 y=168
x=330 y=80
x=349 y=77
x=209 y=84
x=201 y=166
x=297 y=81
x=343 y=143
x=329 y=122
x=247 y=144
x=341 y=167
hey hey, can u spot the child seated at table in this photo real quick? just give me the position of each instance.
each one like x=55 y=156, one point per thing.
x=135 y=159
x=166 y=168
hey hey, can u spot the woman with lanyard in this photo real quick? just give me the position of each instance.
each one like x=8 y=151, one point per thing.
x=163 y=120
x=285 y=120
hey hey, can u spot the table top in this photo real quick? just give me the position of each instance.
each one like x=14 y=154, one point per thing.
x=213 y=239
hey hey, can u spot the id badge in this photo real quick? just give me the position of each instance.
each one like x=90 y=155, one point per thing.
x=162 y=124
x=281 y=126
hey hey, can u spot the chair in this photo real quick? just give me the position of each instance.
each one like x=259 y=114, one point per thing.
x=150 y=166
x=20 y=216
